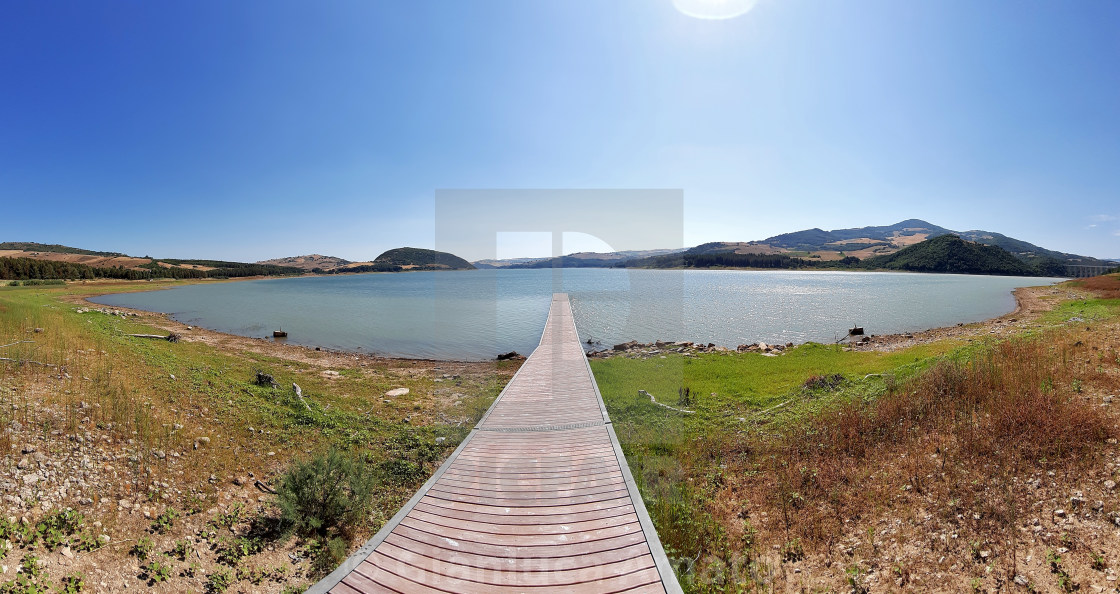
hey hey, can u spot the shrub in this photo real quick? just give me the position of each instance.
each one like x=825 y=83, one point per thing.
x=331 y=491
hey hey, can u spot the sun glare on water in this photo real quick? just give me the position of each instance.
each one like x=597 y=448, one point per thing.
x=714 y=9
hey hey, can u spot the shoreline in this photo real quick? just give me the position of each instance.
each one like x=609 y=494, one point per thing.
x=1030 y=303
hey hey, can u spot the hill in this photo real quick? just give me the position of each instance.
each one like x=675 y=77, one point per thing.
x=575 y=259
x=29 y=260
x=898 y=235
x=54 y=248
x=409 y=258
x=950 y=253
x=309 y=262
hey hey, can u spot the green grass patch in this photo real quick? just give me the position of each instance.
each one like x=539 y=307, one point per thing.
x=1082 y=310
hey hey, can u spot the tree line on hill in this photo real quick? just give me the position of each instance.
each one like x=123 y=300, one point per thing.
x=375 y=267
x=945 y=253
x=30 y=268
x=31 y=246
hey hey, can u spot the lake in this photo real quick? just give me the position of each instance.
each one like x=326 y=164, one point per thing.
x=476 y=314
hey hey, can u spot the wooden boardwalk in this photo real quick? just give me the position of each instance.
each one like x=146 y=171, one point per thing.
x=538 y=498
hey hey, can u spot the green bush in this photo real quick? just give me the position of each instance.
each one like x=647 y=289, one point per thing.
x=327 y=492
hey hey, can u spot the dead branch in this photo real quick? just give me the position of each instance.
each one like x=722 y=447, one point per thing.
x=16 y=342
x=172 y=337
x=299 y=394
x=263 y=487
x=22 y=361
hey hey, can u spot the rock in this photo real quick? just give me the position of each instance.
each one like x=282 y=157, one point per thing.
x=239 y=481
x=1061 y=513
x=511 y=356
x=1022 y=580
x=626 y=346
x=104 y=539
x=440 y=440
x=1110 y=484
x=397 y=392
x=66 y=552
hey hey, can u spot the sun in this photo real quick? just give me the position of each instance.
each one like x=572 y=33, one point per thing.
x=714 y=9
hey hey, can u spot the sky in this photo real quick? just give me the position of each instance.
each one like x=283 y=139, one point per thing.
x=259 y=129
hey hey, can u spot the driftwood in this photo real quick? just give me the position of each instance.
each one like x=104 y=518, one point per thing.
x=654 y=400
x=172 y=337
x=299 y=394
x=23 y=361
x=16 y=342
x=263 y=487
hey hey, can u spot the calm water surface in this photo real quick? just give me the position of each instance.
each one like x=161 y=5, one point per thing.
x=478 y=314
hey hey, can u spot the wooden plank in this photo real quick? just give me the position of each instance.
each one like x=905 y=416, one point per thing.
x=536 y=499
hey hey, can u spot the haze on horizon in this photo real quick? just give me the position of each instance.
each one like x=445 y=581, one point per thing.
x=256 y=129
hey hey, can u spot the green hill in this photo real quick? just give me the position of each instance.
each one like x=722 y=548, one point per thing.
x=819 y=239
x=31 y=246
x=410 y=258
x=950 y=253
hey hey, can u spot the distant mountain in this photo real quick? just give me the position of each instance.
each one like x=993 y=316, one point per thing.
x=504 y=263
x=900 y=234
x=950 y=253
x=575 y=260
x=409 y=258
x=309 y=262
x=869 y=242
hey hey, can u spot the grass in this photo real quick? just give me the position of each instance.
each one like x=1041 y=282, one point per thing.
x=789 y=457
x=187 y=411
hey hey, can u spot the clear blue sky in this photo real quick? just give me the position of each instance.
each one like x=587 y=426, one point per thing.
x=257 y=129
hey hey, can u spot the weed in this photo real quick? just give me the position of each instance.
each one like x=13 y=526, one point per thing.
x=72 y=583
x=684 y=396
x=792 y=551
x=142 y=549
x=181 y=550
x=156 y=571
x=1098 y=562
x=164 y=522
x=30 y=580
x=219 y=581
x=855 y=580
x=231 y=551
